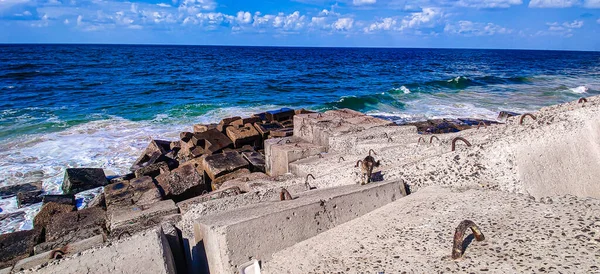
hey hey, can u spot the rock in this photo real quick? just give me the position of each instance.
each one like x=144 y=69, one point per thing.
x=303 y=111
x=280 y=114
x=152 y=170
x=256 y=160
x=217 y=165
x=246 y=182
x=66 y=199
x=246 y=135
x=226 y=123
x=79 y=224
x=131 y=219
x=98 y=201
x=176 y=145
x=185 y=136
x=17 y=246
x=262 y=116
x=242 y=122
x=10 y=191
x=152 y=154
x=211 y=141
x=282 y=132
x=439 y=126
x=81 y=179
x=202 y=128
x=287 y=123
x=138 y=191
x=122 y=178
x=28 y=198
x=265 y=129
x=184 y=206
x=216 y=183
x=182 y=182
x=49 y=210
x=245 y=148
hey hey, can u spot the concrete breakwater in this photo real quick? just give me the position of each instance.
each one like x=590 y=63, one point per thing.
x=272 y=186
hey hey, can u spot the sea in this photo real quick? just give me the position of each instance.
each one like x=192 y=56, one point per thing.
x=99 y=105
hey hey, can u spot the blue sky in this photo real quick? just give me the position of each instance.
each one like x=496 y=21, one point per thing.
x=529 y=24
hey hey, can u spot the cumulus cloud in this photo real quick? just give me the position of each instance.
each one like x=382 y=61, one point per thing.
x=488 y=3
x=468 y=28
x=565 y=29
x=363 y=2
x=553 y=3
x=343 y=24
x=598 y=21
x=384 y=24
x=426 y=18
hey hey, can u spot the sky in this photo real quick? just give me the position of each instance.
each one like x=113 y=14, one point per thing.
x=504 y=24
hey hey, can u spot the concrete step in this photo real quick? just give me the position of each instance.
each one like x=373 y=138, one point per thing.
x=232 y=238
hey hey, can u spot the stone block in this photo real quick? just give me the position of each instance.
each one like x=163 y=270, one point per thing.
x=79 y=224
x=264 y=129
x=182 y=182
x=131 y=219
x=282 y=132
x=28 y=198
x=246 y=182
x=280 y=114
x=49 y=210
x=287 y=123
x=256 y=160
x=152 y=154
x=152 y=170
x=66 y=199
x=303 y=111
x=43 y=256
x=216 y=183
x=98 y=201
x=211 y=141
x=138 y=191
x=280 y=152
x=242 y=122
x=185 y=136
x=246 y=135
x=17 y=246
x=81 y=179
x=225 y=123
x=122 y=178
x=184 y=206
x=217 y=165
x=198 y=128
x=10 y=191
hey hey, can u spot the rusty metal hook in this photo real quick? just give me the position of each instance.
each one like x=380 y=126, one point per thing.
x=341 y=158
x=481 y=123
x=459 y=139
x=284 y=195
x=390 y=140
x=421 y=139
x=525 y=115
x=359 y=161
x=582 y=100
x=459 y=233
x=386 y=135
x=431 y=138
x=319 y=115
x=320 y=155
x=371 y=150
x=288 y=141
x=57 y=254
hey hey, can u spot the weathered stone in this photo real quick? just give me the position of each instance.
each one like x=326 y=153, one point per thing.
x=175 y=145
x=220 y=164
x=67 y=199
x=245 y=148
x=185 y=181
x=216 y=183
x=202 y=128
x=184 y=206
x=98 y=201
x=264 y=129
x=185 y=136
x=287 y=123
x=256 y=160
x=17 y=246
x=122 y=178
x=246 y=135
x=138 y=191
x=117 y=194
x=280 y=114
x=152 y=170
x=152 y=154
x=28 y=198
x=303 y=111
x=131 y=219
x=48 y=210
x=80 y=224
x=246 y=182
x=43 y=252
x=10 y=191
x=282 y=132
x=81 y=179
x=225 y=123
x=211 y=140
x=242 y=122
x=197 y=152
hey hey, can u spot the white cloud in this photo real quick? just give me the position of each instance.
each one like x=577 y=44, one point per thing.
x=163 y=5
x=565 y=29
x=66 y=22
x=384 y=24
x=343 y=24
x=468 y=28
x=553 y=3
x=598 y=21
x=426 y=18
x=488 y=3
x=244 y=17
x=592 y=4
x=363 y=2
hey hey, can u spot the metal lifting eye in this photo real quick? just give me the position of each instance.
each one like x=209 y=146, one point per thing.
x=525 y=115
x=459 y=139
x=371 y=150
x=431 y=139
x=341 y=159
x=459 y=233
x=284 y=195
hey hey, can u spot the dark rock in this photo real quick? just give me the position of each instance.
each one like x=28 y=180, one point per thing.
x=78 y=225
x=185 y=136
x=216 y=183
x=18 y=245
x=202 y=128
x=182 y=182
x=122 y=178
x=225 y=123
x=211 y=140
x=262 y=116
x=241 y=136
x=138 y=191
x=280 y=114
x=220 y=164
x=287 y=124
x=98 y=201
x=67 y=199
x=152 y=170
x=176 y=145
x=80 y=179
x=48 y=211
x=152 y=154
x=28 y=198
x=256 y=160
x=10 y=191
x=265 y=129
x=242 y=122
x=282 y=132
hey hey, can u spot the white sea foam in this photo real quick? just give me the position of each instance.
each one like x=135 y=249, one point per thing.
x=405 y=90
x=580 y=89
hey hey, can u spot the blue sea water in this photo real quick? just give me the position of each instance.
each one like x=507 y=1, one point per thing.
x=99 y=105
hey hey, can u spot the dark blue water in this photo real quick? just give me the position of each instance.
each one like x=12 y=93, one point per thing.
x=98 y=105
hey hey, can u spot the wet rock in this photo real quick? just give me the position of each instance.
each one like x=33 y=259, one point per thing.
x=280 y=114
x=246 y=135
x=256 y=160
x=211 y=141
x=202 y=128
x=186 y=136
x=225 y=123
x=131 y=219
x=28 y=198
x=152 y=154
x=10 y=191
x=138 y=191
x=220 y=164
x=216 y=183
x=49 y=210
x=503 y=115
x=17 y=245
x=98 y=201
x=282 y=132
x=81 y=179
x=78 y=225
x=265 y=129
x=66 y=199
x=242 y=122
x=152 y=170
x=182 y=182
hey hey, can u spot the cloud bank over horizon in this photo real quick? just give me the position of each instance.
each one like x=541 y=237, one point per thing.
x=536 y=24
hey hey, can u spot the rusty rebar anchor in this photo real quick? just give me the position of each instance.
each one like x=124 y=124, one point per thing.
x=341 y=159
x=306 y=181
x=481 y=123
x=582 y=100
x=459 y=233
x=459 y=139
x=284 y=195
x=421 y=139
x=431 y=139
x=525 y=115
x=371 y=150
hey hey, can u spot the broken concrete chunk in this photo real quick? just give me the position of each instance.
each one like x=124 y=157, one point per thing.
x=282 y=132
x=216 y=183
x=28 y=198
x=80 y=224
x=246 y=135
x=280 y=114
x=211 y=140
x=265 y=129
x=48 y=210
x=256 y=160
x=67 y=199
x=152 y=154
x=202 y=128
x=182 y=182
x=152 y=170
x=17 y=246
x=10 y=191
x=242 y=122
x=185 y=136
x=225 y=123
x=220 y=164
x=80 y=179
x=132 y=219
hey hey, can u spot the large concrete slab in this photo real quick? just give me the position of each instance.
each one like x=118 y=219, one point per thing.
x=280 y=152
x=232 y=238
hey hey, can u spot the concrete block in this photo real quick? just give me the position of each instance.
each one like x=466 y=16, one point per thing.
x=79 y=224
x=66 y=199
x=10 y=191
x=47 y=256
x=264 y=129
x=281 y=132
x=245 y=135
x=280 y=114
x=211 y=141
x=131 y=219
x=184 y=206
x=47 y=212
x=198 y=128
x=28 y=198
x=152 y=170
x=280 y=152
x=173 y=236
x=220 y=164
x=249 y=120
x=17 y=246
x=225 y=123
x=216 y=183
x=245 y=182
x=182 y=182
x=257 y=231
x=152 y=154
x=6 y=270
x=138 y=191
x=256 y=160
x=81 y=179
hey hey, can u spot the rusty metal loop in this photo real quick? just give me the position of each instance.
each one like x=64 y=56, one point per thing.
x=525 y=115
x=582 y=100
x=359 y=161
x=421 y=139
x=320 y=155
x=431 y=138
x=481 y=123
x=459 y=233
x=342 y=159
x=284 y=195
x=371 y=150
x=288 y=141
x=57 y=254
x=459 y=139
x=390 y=140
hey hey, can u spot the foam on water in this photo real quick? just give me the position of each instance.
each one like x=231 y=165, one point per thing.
x=580 y=89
